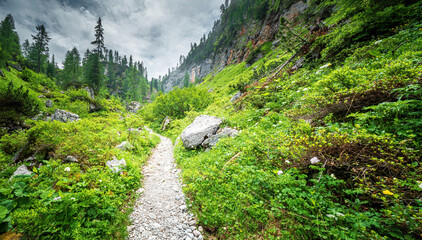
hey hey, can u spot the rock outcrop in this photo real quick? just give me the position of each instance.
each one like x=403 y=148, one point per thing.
x=201 y=128
x=236 y=96
x=90 y=92
x=134 y=107
x=116 y=165
x=222 y=133
x=48 y=103
x=22 y=170
x=64 y=116
x=125 y=146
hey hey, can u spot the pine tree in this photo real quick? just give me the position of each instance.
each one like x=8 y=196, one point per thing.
x=9 y=40
x=51 y=68
x=39 y=49
x=71 y=68
x=99 y=39
x=186 y=80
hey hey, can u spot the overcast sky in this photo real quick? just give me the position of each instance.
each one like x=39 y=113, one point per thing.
x=156 y=32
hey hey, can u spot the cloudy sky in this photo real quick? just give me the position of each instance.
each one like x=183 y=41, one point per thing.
x=154 y=31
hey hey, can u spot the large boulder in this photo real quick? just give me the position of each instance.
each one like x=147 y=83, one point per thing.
x=222 y=133
x=22 y=170
x=64 y=116
x=134 y=107
x=116 y=165
x=201 y=128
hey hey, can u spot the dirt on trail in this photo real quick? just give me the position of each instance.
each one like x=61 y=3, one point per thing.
x=161 y=212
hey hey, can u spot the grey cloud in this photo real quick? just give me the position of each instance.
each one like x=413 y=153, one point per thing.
x=156 y=32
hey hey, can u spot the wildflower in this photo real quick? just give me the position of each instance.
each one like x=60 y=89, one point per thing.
x=67 y=169
x=333 y=176
x=57 y=198
x=72 y=199
x=420 y=185
x=287 y=161
x=325 y=66
x=378 y=42
x=280 y=172
x=387 y=192
x=314 y=160
x=331 y=216
x=339 y=214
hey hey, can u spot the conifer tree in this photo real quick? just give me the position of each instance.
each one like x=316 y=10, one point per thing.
x=39 y=49
x=71 y=68
x=99 y=38
x=9 y=40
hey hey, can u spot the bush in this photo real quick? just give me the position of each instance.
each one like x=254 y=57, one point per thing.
x=177 y=102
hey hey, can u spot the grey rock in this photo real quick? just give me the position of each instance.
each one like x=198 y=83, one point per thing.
x=92 y=107
x=125 y=146
x=222 y=133
x=165 y=123
x=22 y=170
x=183 y=208
x=116 y=165
x=200 y=229
x=41 y=96
x=236 y=96
x=64 y=116
x=134 y=107
x=30 y=159
x=196 y=233
x=48 y=103
x=201 y=128
x=90 y=92
x=71 y=159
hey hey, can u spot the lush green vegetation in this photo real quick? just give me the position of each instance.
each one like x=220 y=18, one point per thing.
x=329 y=151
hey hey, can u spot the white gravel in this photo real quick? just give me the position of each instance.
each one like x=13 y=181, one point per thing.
x=161 y=212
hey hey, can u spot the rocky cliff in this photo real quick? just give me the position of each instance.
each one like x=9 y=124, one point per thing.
x=249 y=36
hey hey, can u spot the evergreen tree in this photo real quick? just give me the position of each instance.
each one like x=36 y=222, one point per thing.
x=130 y=61
x=39 y=49
x=26 y=48
x=51 y=68
x=71 y=68
x=94 y=77
x=112 y=81
x=99 y=39
x=186 y=80
x=9 y=40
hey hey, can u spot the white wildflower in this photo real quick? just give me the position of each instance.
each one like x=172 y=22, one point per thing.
x=67 y=169
x=378 y=42
x=420 y=185
x=287 y=161
x=333 y=176
x=325 y=66
x=314 y=160
x=331 y=216
x=280 y=172
x=72 y=199
x=100 y=180
x=339 y=214
x=57 y=198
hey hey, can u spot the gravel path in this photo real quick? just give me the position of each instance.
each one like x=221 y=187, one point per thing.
x=160 y=212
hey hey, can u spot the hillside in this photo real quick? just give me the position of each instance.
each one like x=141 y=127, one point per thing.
x=319 y=111
x=329 y=120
